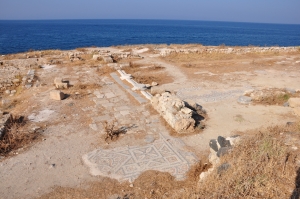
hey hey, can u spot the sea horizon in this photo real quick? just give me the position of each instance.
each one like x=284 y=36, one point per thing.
x=66 y=34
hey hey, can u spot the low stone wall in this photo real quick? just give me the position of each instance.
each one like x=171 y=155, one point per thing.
x=174 y=111
x=230 y=50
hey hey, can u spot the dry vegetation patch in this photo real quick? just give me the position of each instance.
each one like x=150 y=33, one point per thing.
x=16 y=135
x=261 y=166
x=148 y=74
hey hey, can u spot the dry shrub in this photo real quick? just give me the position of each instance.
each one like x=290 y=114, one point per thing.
x=16 y=136
x=111 y=131
x=261 y=166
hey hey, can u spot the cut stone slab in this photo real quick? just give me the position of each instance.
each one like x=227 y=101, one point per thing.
x=57 y=95
x=244 y=99
x=127 y=163
x=294 y=102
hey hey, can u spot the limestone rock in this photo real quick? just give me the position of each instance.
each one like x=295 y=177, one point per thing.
x=60 y=84
x=244 y=99
x=154 y=84
x=174 y=111
x=57 y=95
x=294 y=102
x=107 y=59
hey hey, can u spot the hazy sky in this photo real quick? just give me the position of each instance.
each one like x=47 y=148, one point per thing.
x=270 y=11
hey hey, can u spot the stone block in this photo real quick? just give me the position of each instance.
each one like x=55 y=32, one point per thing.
x=294 y=102
x=57 y=95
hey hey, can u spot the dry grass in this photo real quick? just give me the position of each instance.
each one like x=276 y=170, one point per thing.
x=148 y=74
x=261 y=166
x=16 y=136
x=274 y=97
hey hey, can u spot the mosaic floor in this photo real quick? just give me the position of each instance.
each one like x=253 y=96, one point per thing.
x=127 y=163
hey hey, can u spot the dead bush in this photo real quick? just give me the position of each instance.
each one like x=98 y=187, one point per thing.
x=16 y=136
x=111 y=131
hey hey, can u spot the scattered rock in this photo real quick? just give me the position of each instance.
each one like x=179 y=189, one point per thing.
x=290 y=90
x=223 y=151
x=223 y=142
x=286 y=104
x=7 y=92
x=57 y=95
x=244 y=99
x=60 y=84
x=154 y=84
x=248 y=92
x=157 y=90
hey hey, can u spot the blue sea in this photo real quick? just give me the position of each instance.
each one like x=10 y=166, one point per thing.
x=20 y=36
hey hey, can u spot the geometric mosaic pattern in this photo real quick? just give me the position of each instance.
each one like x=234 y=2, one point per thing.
x=127 y=163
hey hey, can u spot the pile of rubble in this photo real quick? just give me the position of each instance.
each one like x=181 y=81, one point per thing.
x=176 y=112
